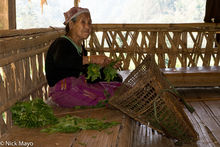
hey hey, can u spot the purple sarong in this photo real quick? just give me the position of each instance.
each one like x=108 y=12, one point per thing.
x=72 y=91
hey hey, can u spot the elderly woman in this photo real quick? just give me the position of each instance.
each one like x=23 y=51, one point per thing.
x=67 y=62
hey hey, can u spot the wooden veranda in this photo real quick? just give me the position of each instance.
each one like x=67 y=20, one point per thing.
x=22 y=69
x=188 y=54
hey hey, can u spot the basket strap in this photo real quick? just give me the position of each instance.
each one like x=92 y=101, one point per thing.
x=177 y=95
x=173 y=91
x=155 y=112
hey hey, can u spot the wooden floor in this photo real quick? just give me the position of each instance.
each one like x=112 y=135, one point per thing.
x=119 y=135
x=206 y=121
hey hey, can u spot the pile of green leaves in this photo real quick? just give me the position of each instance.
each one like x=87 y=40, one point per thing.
x=32 y=114
x=109 y=71
x=73 y=124
x=35 y=113
x=93 y=72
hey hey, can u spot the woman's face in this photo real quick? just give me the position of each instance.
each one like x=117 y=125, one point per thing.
x=81 y=29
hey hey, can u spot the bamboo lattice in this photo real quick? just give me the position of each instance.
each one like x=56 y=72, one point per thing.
x=173 y=45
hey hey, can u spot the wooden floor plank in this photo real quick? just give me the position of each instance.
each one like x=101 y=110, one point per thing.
x=38 y=138
x=208 y=122
x=204 y=139
x=124 y=138
x=213 y=109
x=145 y=136
x=214 y=106
x=104 y=138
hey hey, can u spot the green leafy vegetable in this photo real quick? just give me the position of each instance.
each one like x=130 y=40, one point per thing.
x=110 y=72
x=83 y=144
x=32 y=114
x=73 y=124
x=36 y=113
x=93 y=72
x=100 y=104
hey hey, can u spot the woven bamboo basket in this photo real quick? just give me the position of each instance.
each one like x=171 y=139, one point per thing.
x=148 y=97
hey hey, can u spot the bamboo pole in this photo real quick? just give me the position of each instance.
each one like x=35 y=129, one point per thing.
x=26 y=32
x=7 y=14
x=76 y=3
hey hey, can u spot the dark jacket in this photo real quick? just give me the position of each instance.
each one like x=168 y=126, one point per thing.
x=63 y=61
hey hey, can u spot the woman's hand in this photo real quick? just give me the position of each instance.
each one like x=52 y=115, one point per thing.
x=117 y=65
x=100 y=59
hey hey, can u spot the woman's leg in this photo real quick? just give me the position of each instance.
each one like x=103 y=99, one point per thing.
x=72 y=92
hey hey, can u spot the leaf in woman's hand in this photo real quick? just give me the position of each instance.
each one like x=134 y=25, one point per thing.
x=93 y=72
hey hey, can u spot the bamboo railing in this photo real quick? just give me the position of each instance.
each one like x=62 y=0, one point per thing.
x=22 y=76
x=173 y=45
x=22 y=54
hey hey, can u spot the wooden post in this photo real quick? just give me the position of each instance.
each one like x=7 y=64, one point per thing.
x=76 y=3
x=7 y=14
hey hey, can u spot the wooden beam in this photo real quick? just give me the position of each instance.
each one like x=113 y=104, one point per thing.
x=193 y=76
x=76 y=3
x=12 y=14
x=7 y=14
x=3 y=14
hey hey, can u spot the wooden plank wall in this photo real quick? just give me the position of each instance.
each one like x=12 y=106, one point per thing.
x=173 y=45
x=22 y=76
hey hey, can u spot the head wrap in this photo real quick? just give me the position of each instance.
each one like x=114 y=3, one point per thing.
x=74 y=12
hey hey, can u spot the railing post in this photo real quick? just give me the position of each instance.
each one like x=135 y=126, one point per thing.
x=7 y=14
x=76 y=3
